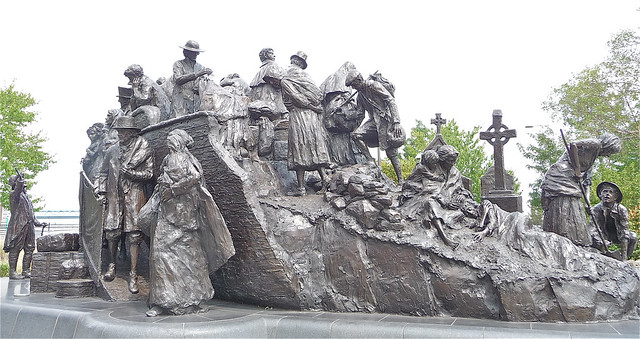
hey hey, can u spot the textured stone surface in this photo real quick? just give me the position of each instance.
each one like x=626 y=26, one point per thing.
x=45 y=269
x=59 y=242
x=74 y=288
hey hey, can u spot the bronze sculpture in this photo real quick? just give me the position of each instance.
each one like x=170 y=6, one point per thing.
x=341 y=117
x=92 y=161
x=21 y=234
x=308 y=150
x=127 y=167
x=562 y=191
x=266 y=99
x=434 y=195
x=383 y=128
x=146 y=92
x=186 y=75
x=613 y=220
x=190 y=237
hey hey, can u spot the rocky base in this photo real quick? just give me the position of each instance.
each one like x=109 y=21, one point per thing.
x=351 y=250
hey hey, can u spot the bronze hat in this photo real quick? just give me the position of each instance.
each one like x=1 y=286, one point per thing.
x=615 y=187
x=193 y=46
x=124 y=92
x=125 y=122
x=300 y=55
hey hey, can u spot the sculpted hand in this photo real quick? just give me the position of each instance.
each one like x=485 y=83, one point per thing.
x=396 y=129
x=206 y=71
x=478 y=236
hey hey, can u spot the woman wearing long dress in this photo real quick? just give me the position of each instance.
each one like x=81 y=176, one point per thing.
x=190 y=239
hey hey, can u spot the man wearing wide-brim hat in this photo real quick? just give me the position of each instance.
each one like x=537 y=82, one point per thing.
x=186 y=75
x=613 y=219
x=122 y=181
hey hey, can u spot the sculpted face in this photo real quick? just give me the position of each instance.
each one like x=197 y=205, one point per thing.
x=191 y=55
x=608 y=195
x=450 y=160
x=126 y=134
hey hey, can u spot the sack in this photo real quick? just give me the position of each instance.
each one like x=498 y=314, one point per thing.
x=377 y=76
x=393 y=141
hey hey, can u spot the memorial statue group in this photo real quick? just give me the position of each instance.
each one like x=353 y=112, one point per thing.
x=188 y=235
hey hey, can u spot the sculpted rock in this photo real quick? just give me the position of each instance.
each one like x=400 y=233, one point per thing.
x=59 y=242
x=306 y=253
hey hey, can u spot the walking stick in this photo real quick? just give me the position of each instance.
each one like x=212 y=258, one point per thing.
x=577 y=172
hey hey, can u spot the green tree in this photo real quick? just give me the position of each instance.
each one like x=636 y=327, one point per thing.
x=19 y=148
x=602 y=98
x=546 y=150
x=472 y=161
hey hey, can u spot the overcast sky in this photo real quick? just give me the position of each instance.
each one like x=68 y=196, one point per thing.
x=459 y=58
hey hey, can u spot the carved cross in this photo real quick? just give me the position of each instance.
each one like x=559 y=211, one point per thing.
x=497 y=135
x=438 y=121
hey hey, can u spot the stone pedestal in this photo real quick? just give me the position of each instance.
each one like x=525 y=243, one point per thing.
x=45 y=269
x=74 y=288
x=507 y=201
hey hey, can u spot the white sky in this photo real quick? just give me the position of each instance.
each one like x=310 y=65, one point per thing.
x=460 y=58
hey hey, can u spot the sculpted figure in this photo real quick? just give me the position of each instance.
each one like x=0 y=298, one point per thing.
x=167 y=88
x=186 y=76
x=126 y=169
x=230 y=110
x=564 y=212
x=341 y=117
x=308 y=150
x=434 y=193
x=190 y=238
x=613 y=220
x=92 y=161
x=234 y=84
x=21 y=234
x=146 y=92
x=266 y=99
x=383 y=128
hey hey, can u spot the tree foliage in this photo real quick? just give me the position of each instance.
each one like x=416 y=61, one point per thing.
x=546 y=150
x=601 y=98
x=19 y=148
x=472 y=161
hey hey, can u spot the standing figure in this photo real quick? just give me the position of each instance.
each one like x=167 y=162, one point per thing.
x=564 y=212
x=92 y=161
x=266 y=99
x=146 y=92
x=186 y=75
x=341 y=117
x=21 y=234
x=613 y=220
x=126 y=169
x=190 y=239
x=383 y=127
x=307 y=141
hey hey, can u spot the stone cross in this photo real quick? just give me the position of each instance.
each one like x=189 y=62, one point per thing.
x=497 y=135
x=438 y=121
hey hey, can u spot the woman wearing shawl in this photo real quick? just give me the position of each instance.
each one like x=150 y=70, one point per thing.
x=189 y=236
x=307 y=141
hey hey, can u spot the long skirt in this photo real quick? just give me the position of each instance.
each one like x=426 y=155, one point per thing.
x=565 y=215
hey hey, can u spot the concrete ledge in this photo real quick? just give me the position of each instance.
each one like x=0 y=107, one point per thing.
x=43 y=315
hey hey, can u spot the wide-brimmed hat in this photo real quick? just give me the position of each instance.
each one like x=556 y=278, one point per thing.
x=193 y=46
x=124 y=92
x=615 y=187
x=125 y=122
x=301 y=56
